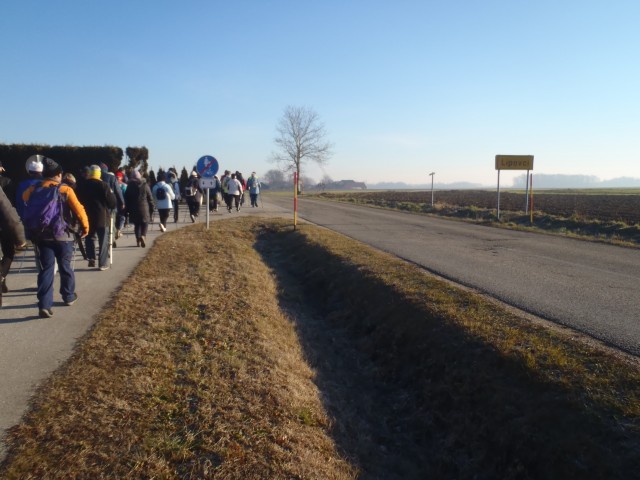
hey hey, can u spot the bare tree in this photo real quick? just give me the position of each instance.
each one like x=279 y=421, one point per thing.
x=301 y=136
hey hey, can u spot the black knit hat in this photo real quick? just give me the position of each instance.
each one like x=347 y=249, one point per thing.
x=51 y=168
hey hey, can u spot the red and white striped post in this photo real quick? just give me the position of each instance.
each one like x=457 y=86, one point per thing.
x=295 y=199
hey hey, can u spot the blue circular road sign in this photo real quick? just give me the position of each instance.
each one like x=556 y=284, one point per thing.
x=207 y=166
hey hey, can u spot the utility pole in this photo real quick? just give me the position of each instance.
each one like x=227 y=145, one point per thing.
x=432 y=174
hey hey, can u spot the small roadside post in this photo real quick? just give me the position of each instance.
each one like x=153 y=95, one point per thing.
x=295 y=199
x=513 y=162
x=207 y=166
x=432 y=175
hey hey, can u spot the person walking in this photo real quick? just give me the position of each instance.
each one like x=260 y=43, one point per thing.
x=172 y=181
x=164 y=196
x=34 y=168
x=193 y=194
x=98 y=201
x=139 y=205
x=224 y=181
x=253 y=184
x=215 y=192
x=234 y=187
x=55 y=246
x=11 y=238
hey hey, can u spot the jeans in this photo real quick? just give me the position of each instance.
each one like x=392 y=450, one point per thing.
x=103 y=246
x=48 y=254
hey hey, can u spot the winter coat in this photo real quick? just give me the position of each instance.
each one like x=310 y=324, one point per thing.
x=97 y=199
x=234 y=187
x=9 y=220
x=138 y=201
x=71 y=207
x=253 y=185
x=167 y=201
x=194 y=183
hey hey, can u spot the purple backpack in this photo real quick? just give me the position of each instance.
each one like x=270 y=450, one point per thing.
x=43 y=217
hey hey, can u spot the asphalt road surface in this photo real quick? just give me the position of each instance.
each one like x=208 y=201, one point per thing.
x=591 y=287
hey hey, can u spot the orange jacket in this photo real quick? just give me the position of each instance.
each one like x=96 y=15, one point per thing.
x=71 y=200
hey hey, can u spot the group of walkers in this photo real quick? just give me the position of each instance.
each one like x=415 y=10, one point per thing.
x=55 y=211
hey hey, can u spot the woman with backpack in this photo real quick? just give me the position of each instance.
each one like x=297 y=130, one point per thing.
x=139 y=205
x=193 y=194
x=164 y=196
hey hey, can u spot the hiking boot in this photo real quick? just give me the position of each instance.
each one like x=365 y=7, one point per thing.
x=193 y=219
x=72 y=300
x=45 y=313
x=118 y=234
x=142 y=244
x=92 y=263
x=137 y=242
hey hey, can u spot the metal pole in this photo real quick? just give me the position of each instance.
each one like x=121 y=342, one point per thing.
x=526 y=194
x=207 y=208
x=498 y=211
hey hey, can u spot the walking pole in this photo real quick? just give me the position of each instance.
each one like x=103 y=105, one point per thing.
x=111 y=222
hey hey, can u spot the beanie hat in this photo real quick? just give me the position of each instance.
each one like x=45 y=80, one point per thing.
x=95 y=172
x=50 y=168
x=103 y=167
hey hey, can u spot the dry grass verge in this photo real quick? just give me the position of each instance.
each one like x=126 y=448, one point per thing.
x=191 y=372
x=270 y=353
x=463 y=388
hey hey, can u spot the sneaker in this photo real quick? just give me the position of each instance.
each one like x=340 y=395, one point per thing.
x=5 y=289
x=102 y=269
x=72 y=300
x=163 y=228
x=193 y=219
x=142 y=244
x=45 y=313
x=92 y=263
x=118 y=234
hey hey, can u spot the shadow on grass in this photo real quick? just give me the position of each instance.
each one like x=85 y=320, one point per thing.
x=414 y=396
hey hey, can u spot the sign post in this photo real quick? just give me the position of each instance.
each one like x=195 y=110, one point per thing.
x=513 y=162
x=207 y=167
x=295 y=199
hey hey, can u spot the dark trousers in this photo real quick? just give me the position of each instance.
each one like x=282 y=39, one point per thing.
x=164 y=215
x=254 y=199
x=103 y=246
x=48 y=254
x=194 y=205
x=8 y=246
x=175 y=211
x=140 y=229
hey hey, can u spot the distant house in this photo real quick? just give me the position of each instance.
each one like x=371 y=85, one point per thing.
x=345 y=185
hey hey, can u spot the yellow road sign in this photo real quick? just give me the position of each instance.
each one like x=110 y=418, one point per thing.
x=514 y=162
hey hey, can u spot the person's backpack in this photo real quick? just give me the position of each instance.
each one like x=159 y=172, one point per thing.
x=161 y=193
x=43 y=216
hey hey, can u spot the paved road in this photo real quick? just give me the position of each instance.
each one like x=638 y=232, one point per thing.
x=594 y=288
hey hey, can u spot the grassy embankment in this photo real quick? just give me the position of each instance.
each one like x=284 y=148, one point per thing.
x=304 y=354
x=570 y=224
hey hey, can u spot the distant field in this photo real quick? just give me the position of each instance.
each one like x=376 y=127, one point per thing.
x=620 y=205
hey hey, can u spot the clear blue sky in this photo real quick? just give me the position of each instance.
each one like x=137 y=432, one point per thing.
x=403 y=87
